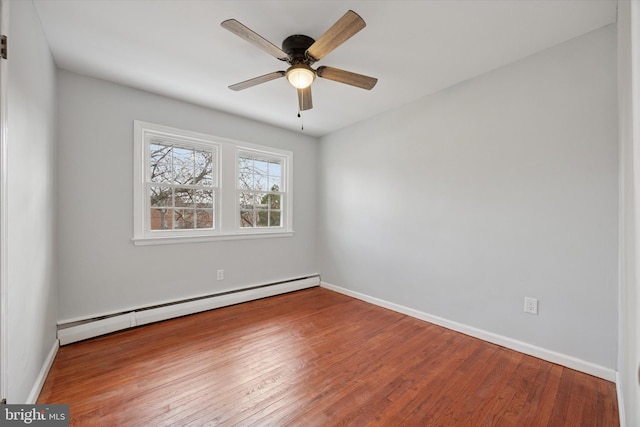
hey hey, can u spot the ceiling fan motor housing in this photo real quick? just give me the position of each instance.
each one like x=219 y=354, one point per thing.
x=296 y=47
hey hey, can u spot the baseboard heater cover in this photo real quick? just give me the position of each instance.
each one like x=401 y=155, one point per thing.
x=101 y=326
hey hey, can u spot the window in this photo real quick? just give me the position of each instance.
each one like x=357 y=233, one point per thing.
x=180 y=186
x=260 y=190
x=179 y=194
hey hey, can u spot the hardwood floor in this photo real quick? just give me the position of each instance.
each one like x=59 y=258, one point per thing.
x=316 y=358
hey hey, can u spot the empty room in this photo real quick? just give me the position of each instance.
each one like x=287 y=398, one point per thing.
x=320 y=213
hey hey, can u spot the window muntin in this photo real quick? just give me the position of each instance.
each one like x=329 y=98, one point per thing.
x=261 y=194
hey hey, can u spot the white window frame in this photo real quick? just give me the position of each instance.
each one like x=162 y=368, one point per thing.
x=226 y=200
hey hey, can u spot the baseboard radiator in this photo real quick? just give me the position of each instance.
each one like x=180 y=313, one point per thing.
x=77 y=331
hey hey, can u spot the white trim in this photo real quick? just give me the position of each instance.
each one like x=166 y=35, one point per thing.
x=522 y=347
x=4 y=222
x=95 y=327
x=172 y=240
x=633 y=325
x=627 y=385
x=42 y=375
x=619 y=395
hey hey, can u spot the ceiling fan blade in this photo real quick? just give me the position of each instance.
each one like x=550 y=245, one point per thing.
x=257 y=80
x=340 y=32
x=304 y=99
x=347 y=77
x=254 y=38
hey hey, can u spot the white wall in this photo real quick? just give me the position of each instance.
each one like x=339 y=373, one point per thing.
x=501 y=187
x=31 y=280
x=628 y=341
x=100 y=269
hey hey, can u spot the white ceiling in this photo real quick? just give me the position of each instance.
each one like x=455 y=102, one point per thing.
x=178 y=49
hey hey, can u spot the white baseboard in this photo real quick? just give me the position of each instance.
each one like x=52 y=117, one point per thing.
x=42 y=375
x=97 y=327
x=522 y=347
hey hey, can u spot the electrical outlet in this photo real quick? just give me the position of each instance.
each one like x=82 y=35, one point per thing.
x=530 y=305
x=220 y=274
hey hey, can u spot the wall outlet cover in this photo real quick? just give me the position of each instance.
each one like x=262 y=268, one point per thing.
x=530 y=305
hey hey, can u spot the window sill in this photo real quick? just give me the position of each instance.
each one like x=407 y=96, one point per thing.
x=173 y=240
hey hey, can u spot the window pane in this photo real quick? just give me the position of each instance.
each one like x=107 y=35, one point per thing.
x=183 y=165
x=160 y=196
x=245 y=181
x=204 y=218
x=260 y=180
x=245 y=173
x=160 y=163
x=183 y=197
x=161 y=219
x=246 y=218
x=203 y=174
x=274 y=201
x=160 y=153
x=274 y=176
x=183 y=156
x=260 y=172
x=274 y=168
x=275 y=183
x=161 y=173
x=275 y=219
x=263 y=218
x=262 y=201
x=203 y=198
x=244 y=163
x=247 y=200
x=183 y=219
x=252 y=174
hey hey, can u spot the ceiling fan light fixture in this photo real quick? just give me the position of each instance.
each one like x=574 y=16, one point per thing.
x=301 y=76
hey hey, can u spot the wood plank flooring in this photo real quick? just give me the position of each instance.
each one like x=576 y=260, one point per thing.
x=315 y=358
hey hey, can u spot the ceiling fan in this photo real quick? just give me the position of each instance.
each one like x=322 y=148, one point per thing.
x=300 y=52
